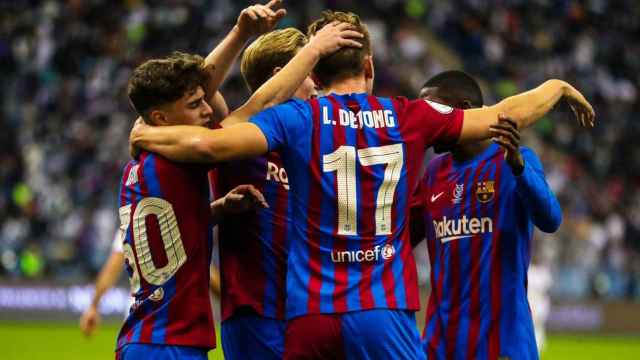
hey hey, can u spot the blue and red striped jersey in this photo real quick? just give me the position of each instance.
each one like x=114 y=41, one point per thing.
x=253 y=245
x=165 y=218
x=353 y=161
x=479 y=222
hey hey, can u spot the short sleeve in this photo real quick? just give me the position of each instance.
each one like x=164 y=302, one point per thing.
x=282 y=123
x=440 y=124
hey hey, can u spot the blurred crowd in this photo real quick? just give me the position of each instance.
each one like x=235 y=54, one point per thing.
x=65 y=117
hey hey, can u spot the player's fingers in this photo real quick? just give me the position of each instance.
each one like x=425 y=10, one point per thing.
x=263 y=12
x=234 y=197
x=499 y=132
x=273 y=4
x=280 y=14
x=508 y=120
x=260 y=13
x=257 y=195
x=509 y=146
x=349 y=43
x=351 y=34
x=341 y=26
x=506 y=130
x=250 y=12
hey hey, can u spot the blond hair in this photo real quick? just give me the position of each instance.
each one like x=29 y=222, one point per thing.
x=348 y=61
x=271 y=50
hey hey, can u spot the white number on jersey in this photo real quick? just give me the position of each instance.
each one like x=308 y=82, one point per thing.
x=170 y=233
x=343 y=162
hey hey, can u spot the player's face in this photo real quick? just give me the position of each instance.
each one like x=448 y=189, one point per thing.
x=190 y=109
x=307 y=90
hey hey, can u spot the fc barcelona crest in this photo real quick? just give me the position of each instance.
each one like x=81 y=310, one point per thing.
x=485 y=191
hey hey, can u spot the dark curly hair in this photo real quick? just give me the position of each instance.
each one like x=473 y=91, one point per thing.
x=157 y=82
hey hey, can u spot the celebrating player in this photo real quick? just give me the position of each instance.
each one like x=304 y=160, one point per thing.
x=253 y=246
x=166 y=220
x=481 y=202
x=352 y=160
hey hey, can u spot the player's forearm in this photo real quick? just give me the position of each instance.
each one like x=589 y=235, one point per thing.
x=538 y=199
x=278 y=88
x=222 y=57
x=108 y=276
x=178 y=143
x=526 y=108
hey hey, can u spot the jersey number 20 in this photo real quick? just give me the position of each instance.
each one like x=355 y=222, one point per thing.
x=173 y=247
x=343 y=162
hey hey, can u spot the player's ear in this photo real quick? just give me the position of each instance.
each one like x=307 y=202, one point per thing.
x=368 y=67
x=158 y=117
x=275 y=70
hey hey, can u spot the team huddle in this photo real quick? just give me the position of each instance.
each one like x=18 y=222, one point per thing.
x=319 y=192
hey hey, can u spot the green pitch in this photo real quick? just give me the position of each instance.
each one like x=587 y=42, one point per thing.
x=51 y=340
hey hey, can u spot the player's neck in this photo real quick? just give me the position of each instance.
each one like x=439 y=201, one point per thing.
x=350 y=85
x=467 y=152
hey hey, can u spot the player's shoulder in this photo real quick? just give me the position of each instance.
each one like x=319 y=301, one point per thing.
x=297 y=104
x=158 y=165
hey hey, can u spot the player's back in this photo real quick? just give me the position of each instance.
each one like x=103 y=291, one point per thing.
x=253 y=245
x=165 y=215
x=352 y=161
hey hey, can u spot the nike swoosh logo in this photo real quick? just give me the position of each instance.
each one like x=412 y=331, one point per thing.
x=434 y=198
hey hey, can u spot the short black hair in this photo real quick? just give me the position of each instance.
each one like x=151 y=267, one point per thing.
x=457 y=86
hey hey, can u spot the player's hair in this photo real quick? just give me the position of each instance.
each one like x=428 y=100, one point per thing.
x=457 y=86
x=348 y=61
x=157 y=82
x=271 y=50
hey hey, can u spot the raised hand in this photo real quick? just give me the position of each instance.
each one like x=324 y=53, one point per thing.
x=505 y=133
x=334 y=36
x=259 y=19
x=580 y=107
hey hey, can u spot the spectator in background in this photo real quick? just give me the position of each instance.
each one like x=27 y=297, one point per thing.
x=64 y=65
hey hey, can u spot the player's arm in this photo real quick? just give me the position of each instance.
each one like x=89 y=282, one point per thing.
x=253 y=20
x=531 y=186
x=525 y=109
x=219 y=107
x=198 y=144
x=240 y=199
x=109 y=274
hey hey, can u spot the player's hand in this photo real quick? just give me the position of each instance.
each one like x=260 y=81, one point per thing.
x=243 y=198
x=259 y=19
x=506 y=134
x=89 y=320
x=138 y=126
x=580 y=106
x=334 y=36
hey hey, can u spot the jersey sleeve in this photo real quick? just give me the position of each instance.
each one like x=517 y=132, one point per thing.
x=283 y=123
x=536 y=196
x=439 y=124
